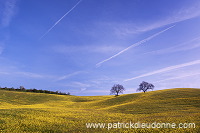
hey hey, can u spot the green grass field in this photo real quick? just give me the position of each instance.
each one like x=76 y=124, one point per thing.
x=34 y=112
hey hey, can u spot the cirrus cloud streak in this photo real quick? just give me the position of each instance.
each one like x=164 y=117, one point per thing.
x=166 y=69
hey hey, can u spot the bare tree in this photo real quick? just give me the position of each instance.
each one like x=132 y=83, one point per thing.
x=144 y=86
x=116 y=89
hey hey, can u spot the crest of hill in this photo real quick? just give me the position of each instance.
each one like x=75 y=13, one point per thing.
x=157 y=100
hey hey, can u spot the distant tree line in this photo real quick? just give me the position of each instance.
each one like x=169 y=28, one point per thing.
x=21 y=88
x=144 y=86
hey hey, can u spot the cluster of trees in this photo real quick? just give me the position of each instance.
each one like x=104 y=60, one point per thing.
x=21 y=88
x=144 y=86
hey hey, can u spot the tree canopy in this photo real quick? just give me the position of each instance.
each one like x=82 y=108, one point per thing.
x=144 y=86
x=116 y=89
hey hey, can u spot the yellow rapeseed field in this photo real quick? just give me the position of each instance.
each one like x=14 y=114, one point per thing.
x=24 y=112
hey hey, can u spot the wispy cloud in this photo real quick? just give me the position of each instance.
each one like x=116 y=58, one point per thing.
x=184 y=77
x=60 y=19
x=69 y=75
x=105 y=80
x=179 y=15
x=98 y=91
x=15 y=73
x=103 y=49
x=134 y=45
x=177 y=77
x=8 y=12
x=4 y=73
x=92 y=85
x=188 y=45
x=83 y=89
x=1 y=49
x=166 y=69
x=29 y=74
x=77 y=84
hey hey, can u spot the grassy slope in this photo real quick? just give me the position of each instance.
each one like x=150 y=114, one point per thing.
x=34 y=112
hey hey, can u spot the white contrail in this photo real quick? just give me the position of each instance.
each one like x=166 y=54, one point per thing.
x=166 y=69
x=134 y=45
x=189 y=75
x=59 y=20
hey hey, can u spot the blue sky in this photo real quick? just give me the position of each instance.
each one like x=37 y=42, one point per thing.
x=86 y=46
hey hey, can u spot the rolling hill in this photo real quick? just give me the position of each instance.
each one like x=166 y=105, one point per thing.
x=36 y=112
